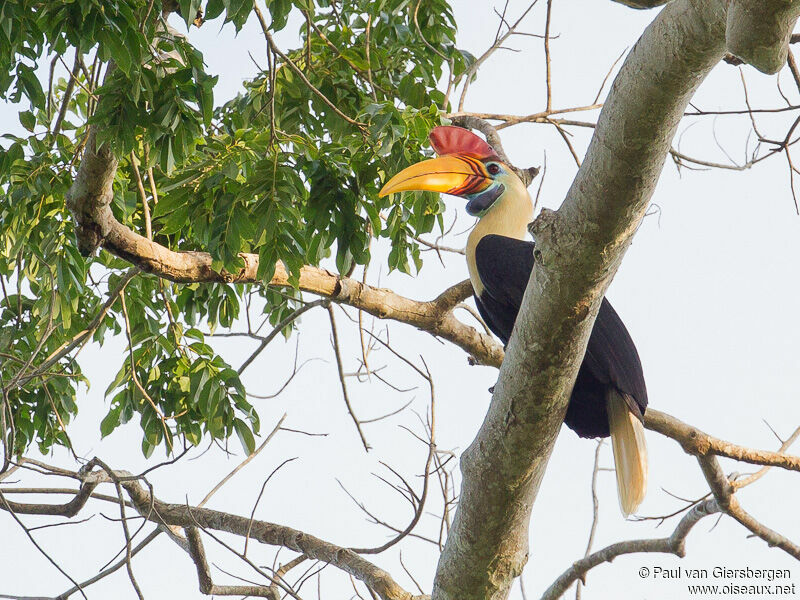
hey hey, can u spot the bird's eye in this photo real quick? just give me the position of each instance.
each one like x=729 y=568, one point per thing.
x=493 y=168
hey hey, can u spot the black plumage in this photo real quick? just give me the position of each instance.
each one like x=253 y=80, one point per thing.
x=504 y=266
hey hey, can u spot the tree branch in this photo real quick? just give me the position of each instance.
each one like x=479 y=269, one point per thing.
x=266 y=533
x=699 y=443
x=723 y=493
x=579 y=248
x=69 y=509
x=113 y=568
x=674 y=544
x=207 y=586
x=758 y=31
x=89 y=200
x=181 y=515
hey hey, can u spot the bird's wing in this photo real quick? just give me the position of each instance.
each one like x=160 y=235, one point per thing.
x=612 y=358
x=504 y=266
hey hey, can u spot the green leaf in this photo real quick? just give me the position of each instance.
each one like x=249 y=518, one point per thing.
x=111 y=421
x=279 y=9
x=245 y=436
x=214 y=9
x=27 y=119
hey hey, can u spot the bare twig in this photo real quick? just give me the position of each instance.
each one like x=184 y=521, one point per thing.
x=299 y=72
x=145 y=205
x=339 y=366
x=113 y=568
x=547 y=55
x=258 y=499
x=498 y=43
x=595 y=510
x=740 y=483
x=7 y=507
x=419 y=501
x=242 y=464
x=279 y=328
x=207 y=586
x=509 y=120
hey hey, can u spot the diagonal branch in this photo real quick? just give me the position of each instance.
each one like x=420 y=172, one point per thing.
x=7 y=506
x=113 y=568
x=723 y=493
x=699 y=443
x=674 y=544
x=337 y=352
x=579 y=249
x=89 y=200
x=80 y=338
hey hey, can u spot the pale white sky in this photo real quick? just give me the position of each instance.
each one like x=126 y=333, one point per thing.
x=708 y=291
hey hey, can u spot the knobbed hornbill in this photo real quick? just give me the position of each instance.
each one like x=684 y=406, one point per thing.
x=609 y=396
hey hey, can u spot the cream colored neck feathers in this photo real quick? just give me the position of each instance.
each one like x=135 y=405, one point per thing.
x=508 y=216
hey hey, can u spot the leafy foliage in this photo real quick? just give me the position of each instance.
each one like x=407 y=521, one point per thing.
x=275 y=171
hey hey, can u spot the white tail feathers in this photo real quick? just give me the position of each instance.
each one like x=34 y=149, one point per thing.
x=630 y=452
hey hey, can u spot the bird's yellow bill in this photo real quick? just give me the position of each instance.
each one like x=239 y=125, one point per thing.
x=450 y=174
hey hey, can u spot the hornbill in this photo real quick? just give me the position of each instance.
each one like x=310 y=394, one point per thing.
x=609 y=396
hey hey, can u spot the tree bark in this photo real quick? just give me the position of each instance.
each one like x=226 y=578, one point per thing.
x=579 y=248
x=89 y=201
x=642 y=4
x=758 y=31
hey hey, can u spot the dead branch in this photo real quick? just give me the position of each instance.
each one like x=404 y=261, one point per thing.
x=337 y=352
x=242 y=464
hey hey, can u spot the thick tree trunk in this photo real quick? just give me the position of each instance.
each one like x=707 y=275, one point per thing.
x=579 y=248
